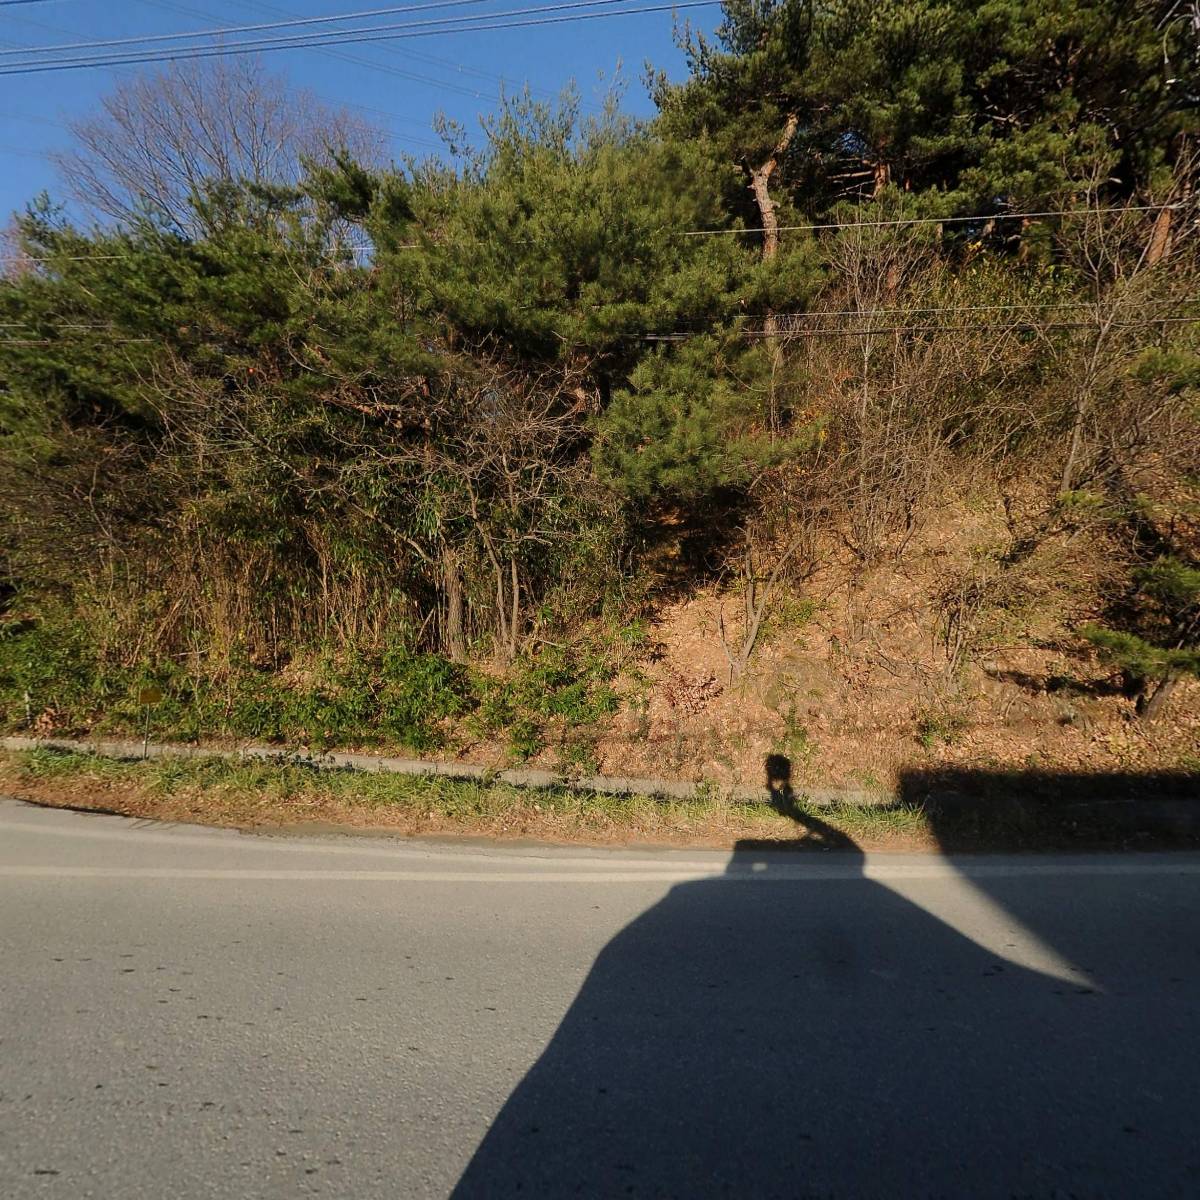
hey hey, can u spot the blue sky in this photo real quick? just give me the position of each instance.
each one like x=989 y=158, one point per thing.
x=461 y=73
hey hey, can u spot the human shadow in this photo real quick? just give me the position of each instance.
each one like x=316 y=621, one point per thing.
x=795 y=1027
x=812 y=832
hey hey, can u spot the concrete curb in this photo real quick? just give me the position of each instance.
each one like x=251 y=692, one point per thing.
x=523 y=777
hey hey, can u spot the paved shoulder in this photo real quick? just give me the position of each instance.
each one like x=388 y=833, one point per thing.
x=192 y=1012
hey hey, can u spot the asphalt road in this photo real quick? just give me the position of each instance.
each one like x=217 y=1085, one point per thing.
x=188 y=1013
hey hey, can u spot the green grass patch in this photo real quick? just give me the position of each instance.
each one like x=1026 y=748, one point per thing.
x=54 y=680
x=250 y=792
x=289 y=793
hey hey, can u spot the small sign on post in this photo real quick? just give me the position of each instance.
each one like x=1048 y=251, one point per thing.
x=149 y=696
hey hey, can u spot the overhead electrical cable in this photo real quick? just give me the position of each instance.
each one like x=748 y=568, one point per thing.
x=829 y=225
x=1010 y=327
x=856 y=331
x=225 y=31
x=898 y=222
x=460 y=89
x=535 y=16
x=408 y=54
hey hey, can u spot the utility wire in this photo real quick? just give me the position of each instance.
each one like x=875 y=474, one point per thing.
x=865 y=312
x=387 y=68
x=399 y=135
x=396 y=31
x=1065 y=212
x=311 y=38
x=404 y=138
x=1016 y=327
x=53 y=258
x=17 y=116
x=457 y=67
x=783 y=335
x=291 y=22
x=949 y=308
x=902 y=221
x=62 y=341
x=850 y=330
x=814 y=314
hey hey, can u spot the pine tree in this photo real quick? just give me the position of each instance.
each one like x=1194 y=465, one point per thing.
x=1166 y=643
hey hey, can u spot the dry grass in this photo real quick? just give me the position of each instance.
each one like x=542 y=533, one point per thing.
x=1019 y=811
x=258 y=795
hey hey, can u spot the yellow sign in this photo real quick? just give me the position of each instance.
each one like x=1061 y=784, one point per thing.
x=150 y=695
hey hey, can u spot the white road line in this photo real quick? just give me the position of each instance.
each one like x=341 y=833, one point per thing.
x=800 y=873
x=110 y=827
x=456 y=877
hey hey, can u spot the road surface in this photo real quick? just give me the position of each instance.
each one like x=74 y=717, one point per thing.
x=190 y=1013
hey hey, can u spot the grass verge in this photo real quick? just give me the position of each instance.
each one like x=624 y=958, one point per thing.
x=263 y=794
x=1006 y=813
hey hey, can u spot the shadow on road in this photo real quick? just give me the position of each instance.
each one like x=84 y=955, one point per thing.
x=796 y=1028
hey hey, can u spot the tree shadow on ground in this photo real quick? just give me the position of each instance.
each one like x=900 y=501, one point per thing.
x=1065 y=685
x=972 y=808
x=798 y=1027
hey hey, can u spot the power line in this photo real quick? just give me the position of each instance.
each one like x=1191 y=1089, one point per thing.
x=396 y=31
x=405 y=139
x=908 y=327
x=902 y=221
x=23 y=153
x=290 y=23
x=50 y=258
x=854 y=331
x=954 y=308
x=692 y=232
x=388 y=68
x=1011 y=327
x=53 y=258
x=58 y=341
x=40 y=120
x=16 y=47
x=845 y=312
x=816 y=314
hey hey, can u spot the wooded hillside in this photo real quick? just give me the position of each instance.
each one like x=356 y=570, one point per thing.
x=850 y=409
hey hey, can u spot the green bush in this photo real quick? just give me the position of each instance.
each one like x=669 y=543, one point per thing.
x=49 y=670
x=48 y=667
x=548 y=697
x=417 y=693
x=938 y=723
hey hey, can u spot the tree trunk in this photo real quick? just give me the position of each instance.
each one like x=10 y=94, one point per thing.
x=1152 y=707
x=503 y=640
x=1160 y=238
x=760 y=185
x=1084 y=398
x=514 y=624
x=456 y=642
x=1073 y=446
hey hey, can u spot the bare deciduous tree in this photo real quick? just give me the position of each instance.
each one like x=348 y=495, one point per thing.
x=906 y=371
x=1140 y=267
x=159 y=138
